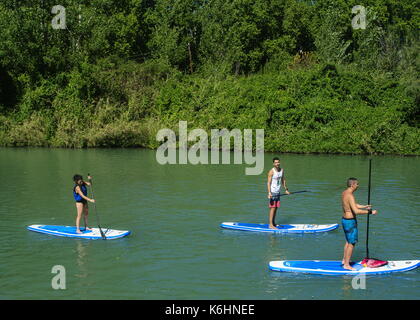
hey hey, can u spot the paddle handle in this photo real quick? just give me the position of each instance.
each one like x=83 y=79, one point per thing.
x=370 y=175
x=94 y=206
x=91 y=188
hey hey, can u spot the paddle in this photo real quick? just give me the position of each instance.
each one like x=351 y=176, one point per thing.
x=370 y=262
x=285 y=194
x=370 y=210
x=96 y=213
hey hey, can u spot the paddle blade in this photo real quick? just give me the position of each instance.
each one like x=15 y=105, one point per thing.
x=102 y=233
x=373 y=263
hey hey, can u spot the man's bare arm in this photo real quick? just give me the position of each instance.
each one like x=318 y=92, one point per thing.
x=361 y=206
x=80 y=193
x=283 y=181
x=269 y=179
x=355 y=207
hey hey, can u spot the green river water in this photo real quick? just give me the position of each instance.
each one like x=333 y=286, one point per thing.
x=177 y=249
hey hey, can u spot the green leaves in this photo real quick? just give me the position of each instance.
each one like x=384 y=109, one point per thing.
x=296 y=68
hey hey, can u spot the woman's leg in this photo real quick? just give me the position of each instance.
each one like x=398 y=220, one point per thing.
x=85 y=216
x=79 y=208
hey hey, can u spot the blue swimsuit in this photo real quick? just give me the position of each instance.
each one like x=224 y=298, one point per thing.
x=350 y=230
x=77 y=196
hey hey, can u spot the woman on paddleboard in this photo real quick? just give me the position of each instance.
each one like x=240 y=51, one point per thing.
x=80 y=196
x=274 y=182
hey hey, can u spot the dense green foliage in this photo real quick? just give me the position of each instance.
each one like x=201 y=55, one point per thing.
x=123 y=69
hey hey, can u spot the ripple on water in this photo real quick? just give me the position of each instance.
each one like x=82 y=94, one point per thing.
x=177 y=249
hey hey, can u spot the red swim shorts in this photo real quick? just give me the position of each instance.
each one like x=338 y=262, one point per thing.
x=274 y=201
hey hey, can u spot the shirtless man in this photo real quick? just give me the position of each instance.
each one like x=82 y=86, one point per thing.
x=274 y=182
x=349 y=222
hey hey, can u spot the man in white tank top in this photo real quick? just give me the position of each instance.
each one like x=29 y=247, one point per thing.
x=274 y=183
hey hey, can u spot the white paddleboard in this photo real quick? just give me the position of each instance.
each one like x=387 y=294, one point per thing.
x=336 y=268
x=284 y=228
x=70 y=231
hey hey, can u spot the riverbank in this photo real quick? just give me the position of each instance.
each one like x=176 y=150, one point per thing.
x=316 y=109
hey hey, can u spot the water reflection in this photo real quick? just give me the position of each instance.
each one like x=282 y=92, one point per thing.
x=81 y=258
x=177 y=249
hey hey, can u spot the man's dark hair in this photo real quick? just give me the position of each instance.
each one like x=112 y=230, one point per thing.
x=77 y=177
x=276 y=158
x=351 y=181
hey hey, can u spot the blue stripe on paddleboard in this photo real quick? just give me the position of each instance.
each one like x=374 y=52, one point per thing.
x=262 y=226
x=323 y=265
x=65 y=229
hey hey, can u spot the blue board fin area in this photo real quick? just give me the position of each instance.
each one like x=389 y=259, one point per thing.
x=283 y=228
x=70 y=231
x=336 y=268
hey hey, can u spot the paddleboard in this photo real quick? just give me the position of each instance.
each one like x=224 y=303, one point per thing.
x=70 y=231
x=336 y=268
x=284 y=228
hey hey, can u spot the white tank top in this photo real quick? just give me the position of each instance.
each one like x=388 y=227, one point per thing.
x=276 y=180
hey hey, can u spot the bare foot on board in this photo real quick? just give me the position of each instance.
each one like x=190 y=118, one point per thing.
x=348 y=267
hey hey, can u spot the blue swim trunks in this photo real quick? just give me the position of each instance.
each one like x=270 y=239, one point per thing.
x=350 y=230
